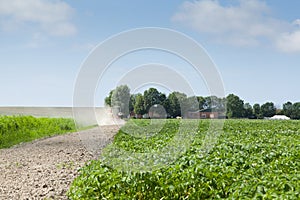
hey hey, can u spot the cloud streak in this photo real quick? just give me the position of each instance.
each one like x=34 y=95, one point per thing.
x=249 y=23
x=51 y=17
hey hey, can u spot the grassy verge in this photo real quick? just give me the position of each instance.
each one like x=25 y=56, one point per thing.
x=252 y=159
x=18 y=129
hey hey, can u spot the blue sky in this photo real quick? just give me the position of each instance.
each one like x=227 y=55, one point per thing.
x=254 y=44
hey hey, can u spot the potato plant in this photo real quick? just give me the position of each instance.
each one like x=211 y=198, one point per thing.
x=257 y=159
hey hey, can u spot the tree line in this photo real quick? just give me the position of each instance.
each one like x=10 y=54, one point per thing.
x=179 y=104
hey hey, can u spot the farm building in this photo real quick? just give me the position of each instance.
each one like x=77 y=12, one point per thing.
x=207 y=113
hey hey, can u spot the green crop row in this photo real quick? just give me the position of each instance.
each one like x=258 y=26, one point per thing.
x=257 y=159
x=17 y=129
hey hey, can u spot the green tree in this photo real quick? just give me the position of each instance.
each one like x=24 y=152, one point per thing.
x=190 y=104
x=182 y=100
x=248 y=110
x=268 y=109
x=151 y=97
x=166 y=105
x=180 y=96
x=132 y=102
x=287 y=109
x=215 y=103
x=202 y=102
x=296 y=111
x=139 y=105
x=120 y=98
x=163 y=101
x=108 y=98
x=256 y=110
x=235 y=106
x=174 y=105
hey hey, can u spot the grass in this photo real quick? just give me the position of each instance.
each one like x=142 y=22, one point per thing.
x=257 y=159
x=18 y=129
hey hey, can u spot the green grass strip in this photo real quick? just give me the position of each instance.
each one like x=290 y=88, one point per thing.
x=18 y=129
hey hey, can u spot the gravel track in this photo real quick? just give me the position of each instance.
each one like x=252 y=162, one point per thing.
x=45 y=168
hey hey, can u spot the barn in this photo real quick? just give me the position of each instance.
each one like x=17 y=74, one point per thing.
x=207 y=113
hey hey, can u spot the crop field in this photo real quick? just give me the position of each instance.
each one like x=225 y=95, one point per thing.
x=17 y=129
x=257 y=159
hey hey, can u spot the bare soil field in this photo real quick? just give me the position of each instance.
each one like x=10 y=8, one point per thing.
x=44 y=169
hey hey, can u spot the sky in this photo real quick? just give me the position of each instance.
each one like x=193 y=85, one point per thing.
x=254 y=44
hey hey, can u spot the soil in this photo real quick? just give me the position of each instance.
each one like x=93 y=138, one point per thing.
x=45 y=168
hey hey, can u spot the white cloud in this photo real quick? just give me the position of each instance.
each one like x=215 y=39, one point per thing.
x=296 y=22
x=248 y=23
x=52 y=17
x=289 y=42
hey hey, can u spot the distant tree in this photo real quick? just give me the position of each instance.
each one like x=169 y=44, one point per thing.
x=287 y=109
x=256 y=110
x=296 y=111
x=215 y=103
x=164 y=102
x=108 y=98
x=176 y=101
x=202 y=102
x=178 y=104
x=189 y=104
x=268 y=109
x=162 y=97
x=174 y=105
x=132 y=102
x=151 y=97
x=120 y=98
x=182 y=101
x=208 y=102
x=235 y=106
x=180 y=96
x=223 y=104
x=167 y=106
x=248 y=110
x=139 y=105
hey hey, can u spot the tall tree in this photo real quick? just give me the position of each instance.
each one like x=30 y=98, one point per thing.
x=248 y=110
x=215 y=103
x=120 y=98
x=287 y=109
x=132 y=102
x=296 y=111
x=167 y=106
x=190 y=104
x=174 y=105
x=268 y=109
x=202 y=102
x=235 y=106
x=181 y=97
x=108 y=98
x=139 y=105
x=164 y=102
x=151 y=97
x=256 y=110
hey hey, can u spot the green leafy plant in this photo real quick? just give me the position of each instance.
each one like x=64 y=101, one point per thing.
x=17 y=129
x=257 y=159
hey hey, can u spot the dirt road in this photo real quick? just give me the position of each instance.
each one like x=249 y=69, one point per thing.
x=44 y=169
